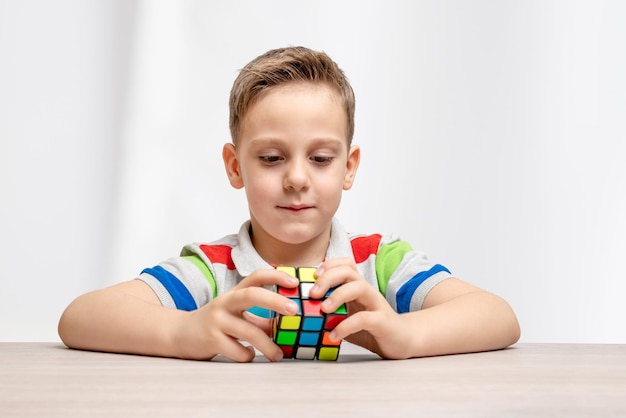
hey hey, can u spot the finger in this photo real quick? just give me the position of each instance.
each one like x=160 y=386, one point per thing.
x=267 y=277
x=359 y=291
x=362 y=321
x=260 y=322
x=270 y=350
x=334 y=277
x=336 y=262
x=240 y=329
x=257 y=337
x=243 y=299
x=232 y=349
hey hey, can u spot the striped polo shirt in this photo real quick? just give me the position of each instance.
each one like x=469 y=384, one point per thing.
x=203 y=271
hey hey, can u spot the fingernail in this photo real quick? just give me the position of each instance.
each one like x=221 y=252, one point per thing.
x=319 y=272
x=278 y=356
x=333 y=336
x=327 y=303
x=292 y=307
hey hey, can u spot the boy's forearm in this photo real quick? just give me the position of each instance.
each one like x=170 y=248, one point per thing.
x=114 y=321
x=477 y=321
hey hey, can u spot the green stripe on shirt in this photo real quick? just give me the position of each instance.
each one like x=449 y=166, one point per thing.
x=388 y=259
x=197 y=261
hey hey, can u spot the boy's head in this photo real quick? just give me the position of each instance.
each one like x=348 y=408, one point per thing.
x=280 y=66
x=292 y=121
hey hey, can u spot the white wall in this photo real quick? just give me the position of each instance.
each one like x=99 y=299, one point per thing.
x=492 y=136
x=63 y=67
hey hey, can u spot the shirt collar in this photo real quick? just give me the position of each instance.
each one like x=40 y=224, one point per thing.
x=247 y=259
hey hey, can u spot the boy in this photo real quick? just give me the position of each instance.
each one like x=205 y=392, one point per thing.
x=292 y=122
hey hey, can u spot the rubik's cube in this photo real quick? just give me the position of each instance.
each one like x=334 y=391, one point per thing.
x=305 y=335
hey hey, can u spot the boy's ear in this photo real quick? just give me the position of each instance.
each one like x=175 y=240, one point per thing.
x=231 y=163
x=354 y=158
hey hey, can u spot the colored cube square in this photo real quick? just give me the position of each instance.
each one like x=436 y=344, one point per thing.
x=327 y=341
x=289 y=270
x=305 y=353
x=305 y=288
x=341 y=309
x=328 y=353
x=312 y=324
x=312 y=307
x=305 y=335
x=290 y=322
x=306 y=274
x=286 y=337
x=309 y=338
x=333 y=320
x=290 y=293
x=287 y=351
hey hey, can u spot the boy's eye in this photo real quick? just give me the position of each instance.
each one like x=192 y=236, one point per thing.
x=322 y=159
x=269 y=158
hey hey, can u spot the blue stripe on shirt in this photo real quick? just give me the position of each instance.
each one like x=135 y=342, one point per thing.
x=182 y=298
x=404 y=295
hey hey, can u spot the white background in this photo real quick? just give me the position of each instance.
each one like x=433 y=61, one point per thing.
x=492 y=137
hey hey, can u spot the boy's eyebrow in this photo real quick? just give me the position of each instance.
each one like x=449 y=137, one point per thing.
x=265 y=141
x=271 y=141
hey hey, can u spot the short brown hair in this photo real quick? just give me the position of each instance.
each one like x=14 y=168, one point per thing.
x=283 y=65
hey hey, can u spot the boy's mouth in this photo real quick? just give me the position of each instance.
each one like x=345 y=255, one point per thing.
x=295 y=208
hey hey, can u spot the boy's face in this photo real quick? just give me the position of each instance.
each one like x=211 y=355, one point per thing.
x=293 y=159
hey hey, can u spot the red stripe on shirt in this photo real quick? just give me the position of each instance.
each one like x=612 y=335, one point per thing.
x=219 y=254
x=363 y=247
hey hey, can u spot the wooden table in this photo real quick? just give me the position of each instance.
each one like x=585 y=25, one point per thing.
x=49 y=380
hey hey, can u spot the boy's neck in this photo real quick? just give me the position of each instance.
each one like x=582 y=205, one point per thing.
x=311 y=253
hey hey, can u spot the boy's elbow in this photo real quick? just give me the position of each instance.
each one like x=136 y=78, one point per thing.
x=512 y=331
x=67 y=327
x=516 y=331
x=501 y=327
x=63 y=328
x=512 y=334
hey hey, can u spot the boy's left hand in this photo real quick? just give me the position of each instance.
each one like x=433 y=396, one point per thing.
x=371 y=322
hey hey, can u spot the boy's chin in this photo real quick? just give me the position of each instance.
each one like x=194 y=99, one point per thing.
x=298 y=235
x=292 y=232
x=293 y=238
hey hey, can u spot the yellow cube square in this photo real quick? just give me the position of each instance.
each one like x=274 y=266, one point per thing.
x=307 y=274
x=290 y=322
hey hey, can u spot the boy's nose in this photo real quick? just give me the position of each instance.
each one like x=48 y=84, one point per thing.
x=297 y=176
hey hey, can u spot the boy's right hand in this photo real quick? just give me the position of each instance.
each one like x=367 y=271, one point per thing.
x=221 y=325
